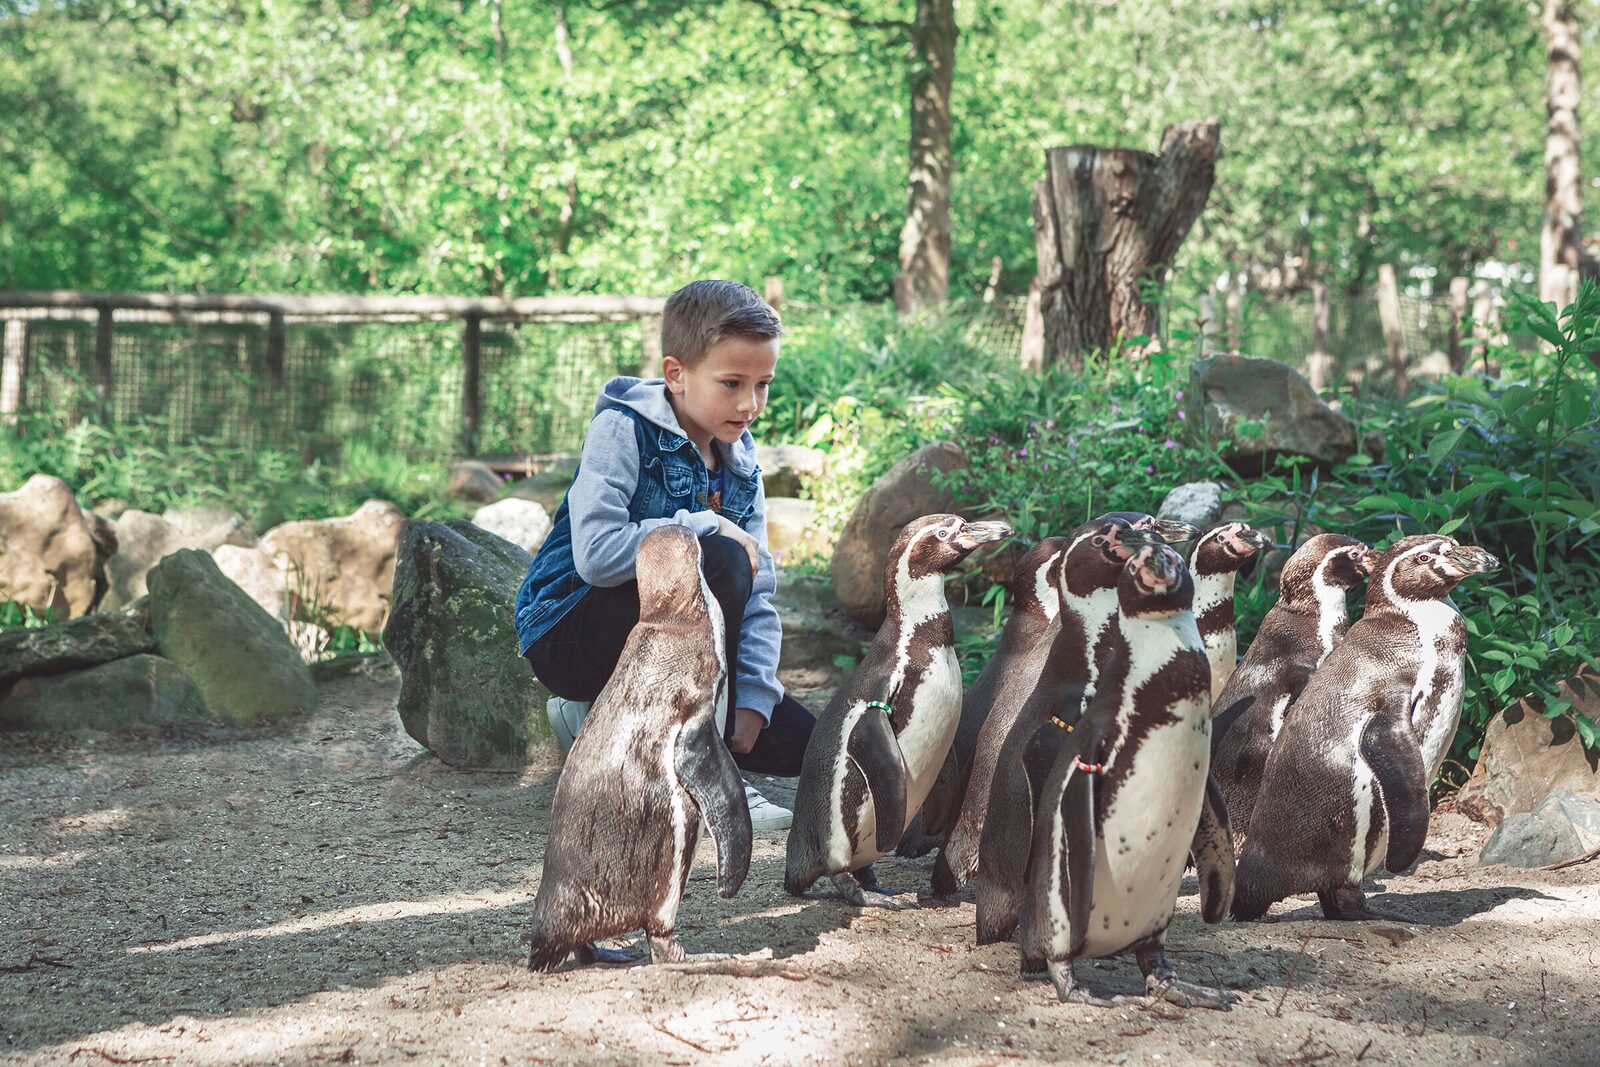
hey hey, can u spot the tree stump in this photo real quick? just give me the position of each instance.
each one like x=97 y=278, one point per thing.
x=1107 y=221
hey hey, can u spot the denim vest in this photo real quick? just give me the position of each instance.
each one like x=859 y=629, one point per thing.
x=672 y=478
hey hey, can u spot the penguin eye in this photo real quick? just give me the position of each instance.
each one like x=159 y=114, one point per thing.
x=944 y=534
x=1101 y=541
x=1426 y=557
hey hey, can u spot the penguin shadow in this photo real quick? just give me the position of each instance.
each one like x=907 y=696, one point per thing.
x=1435 y=909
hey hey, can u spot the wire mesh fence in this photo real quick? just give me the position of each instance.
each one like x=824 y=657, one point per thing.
x=409 y=388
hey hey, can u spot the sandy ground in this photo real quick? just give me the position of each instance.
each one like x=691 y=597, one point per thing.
x=329 y=894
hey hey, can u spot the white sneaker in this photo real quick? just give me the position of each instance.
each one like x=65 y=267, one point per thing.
x=764 y=814
x=566 y=719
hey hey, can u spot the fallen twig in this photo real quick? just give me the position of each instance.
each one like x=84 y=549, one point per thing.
x=1364 y=1049
x=1593 y=853
x=742 y=969
x=34 y=962
x=114 y=1059
x=1304 y=941
x=692 y=1044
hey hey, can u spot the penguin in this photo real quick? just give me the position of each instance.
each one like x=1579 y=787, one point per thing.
x=878 y=746
x=1219 y=555
x=992 y=835
x=1308 y=620
x=645 y=768
x=1000 y=689
x=1345 y=787
x=1129 y=797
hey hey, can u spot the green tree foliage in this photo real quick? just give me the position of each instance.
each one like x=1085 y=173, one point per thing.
x=479 y=146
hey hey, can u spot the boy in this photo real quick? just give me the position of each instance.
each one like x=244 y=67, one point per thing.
x=675 y=449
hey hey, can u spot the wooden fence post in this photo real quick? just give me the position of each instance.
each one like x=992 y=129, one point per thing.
x=275 y=346
x=471 y=382
x=11 y=356
x=1321 y=359
x=1033 y=331
x=1458 y=314
x=993 y=284
x=1394 y=338
x=1234 y=311
x=104 y=383
x=650 y=344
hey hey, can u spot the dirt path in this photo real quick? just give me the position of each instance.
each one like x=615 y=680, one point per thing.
x=331 y=895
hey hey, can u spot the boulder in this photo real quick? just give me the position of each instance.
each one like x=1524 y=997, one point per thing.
x=52 y=554
x=905 y=492
x=547 y=487
x=522 y=522
x=85 y=642
x=231 y=646
x=340 y=571
x=1526 y=756
x=786 y=468
x=1531 y=839
x=255 y=571
x=815 y=627
x=1578 y=810
x=464 y=691
x=792 y=530
x=144 y=539
x=1226 y=392
x=125 y=694
x=1199 y=503
x=474 y=482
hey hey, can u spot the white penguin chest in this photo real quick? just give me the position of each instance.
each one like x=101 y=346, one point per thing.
x=1147 y=831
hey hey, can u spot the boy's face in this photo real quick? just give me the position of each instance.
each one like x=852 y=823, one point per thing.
x=720 y=396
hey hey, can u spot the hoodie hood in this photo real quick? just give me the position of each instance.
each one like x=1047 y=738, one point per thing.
x=647 y=397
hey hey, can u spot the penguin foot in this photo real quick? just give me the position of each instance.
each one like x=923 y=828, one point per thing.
x=1188 y=995
x=664 y=948
x=1068 y=991
x=592 y=953
x=853 y=892
x=1349 y=904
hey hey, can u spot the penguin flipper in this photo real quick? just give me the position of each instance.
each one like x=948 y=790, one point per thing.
x=1061 y=873
x=875 y=750
x=1213 y=854
x=1390 y=750
x=943 y=806
x=707 y=773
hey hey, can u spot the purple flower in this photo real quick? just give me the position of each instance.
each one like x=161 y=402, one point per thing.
x=1022 y=453
x=994 y=439
x=1150 y=468
x=1180 y=394
x=1182 y=414
x=1047 y=466
x=1169 y=443
x=1049 y=424
x=1115 y=409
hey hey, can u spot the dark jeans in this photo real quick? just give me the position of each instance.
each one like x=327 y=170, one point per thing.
x=575 y=658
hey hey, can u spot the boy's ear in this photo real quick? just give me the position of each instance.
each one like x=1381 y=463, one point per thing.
x=672 y=369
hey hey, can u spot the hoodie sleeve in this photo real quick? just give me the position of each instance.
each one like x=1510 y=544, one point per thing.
x=760 y=638
x=605 y=544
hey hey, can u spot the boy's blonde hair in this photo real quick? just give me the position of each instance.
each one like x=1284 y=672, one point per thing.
x=702 y=313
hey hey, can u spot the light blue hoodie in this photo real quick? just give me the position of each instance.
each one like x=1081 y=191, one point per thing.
x=639 y=470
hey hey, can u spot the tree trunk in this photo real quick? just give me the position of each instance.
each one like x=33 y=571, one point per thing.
x=1107 y=220
x=1458 y=317
x=1321 y=359
x=1394 y=336
x=1563 y=203
x=924 y=278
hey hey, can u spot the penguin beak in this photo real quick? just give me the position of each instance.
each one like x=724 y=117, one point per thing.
x=1174 y=530
x=974 y=534
x=1367 y=561
x=1158 y=568
x=1255 y=540
x=1469 y=559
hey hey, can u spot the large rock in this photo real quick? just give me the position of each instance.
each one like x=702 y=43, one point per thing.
x=125 y=694
x=144 y=539
x=1531 y=839
x=522 y=522
x=464 y=692
x=1227 y=392
x=231 y=646
x=474 y=482
x=52 y=552
x=340 y=571
x=815 y=627
x=256 y=572
x=548 y=487
x=786 y=468
x=905 y=492
x=85 y=642
x=1578 y=810
x=792 y=530
x=1525 y=756
x=1199 y=503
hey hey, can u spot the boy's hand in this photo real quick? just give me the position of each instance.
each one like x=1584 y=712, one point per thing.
x=747 y=726
x=726 y=528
